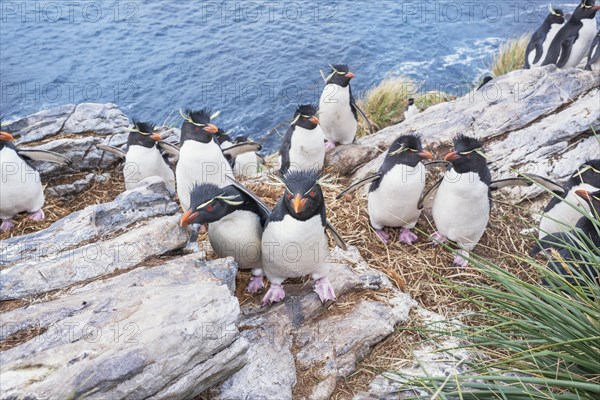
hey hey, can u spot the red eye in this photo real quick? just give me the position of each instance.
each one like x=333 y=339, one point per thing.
x=209 y=208
x=289 y=195
x=312 y=194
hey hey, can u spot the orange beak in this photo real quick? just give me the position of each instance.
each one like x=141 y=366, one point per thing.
x=452 y=156
x=6 y=136
x=426 y=154
x=298 y=203
x=314 y=120
x=350 y=75
x=156 y=137
x=188 y=218
x=210 y=128
x=596 y=8
x=584 y=194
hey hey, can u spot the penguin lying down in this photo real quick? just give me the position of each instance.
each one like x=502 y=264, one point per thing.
x=21 y=189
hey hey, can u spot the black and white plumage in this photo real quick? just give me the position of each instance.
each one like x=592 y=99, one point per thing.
x=302 y=146
x=411 y=109
x=144 y=158
x=235 y=225
x=572 y=42
x=201 y=159
x=593 y=59
x=577 y=245
x=337 y=107
x=396 y=188
x=294 y=243
x=247 y=165
x=462 y=205
x=538 y=46
x=21 y=189
x=559 y=215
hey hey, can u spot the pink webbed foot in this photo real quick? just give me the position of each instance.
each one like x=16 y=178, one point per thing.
x=255 y=285
x=408 y=237
x=383 y=236
x=436 y=238
x=324 y=289
x=274 y=295
x=6 y=226
x=37 y=216
x=461 y=259
x=329 y=145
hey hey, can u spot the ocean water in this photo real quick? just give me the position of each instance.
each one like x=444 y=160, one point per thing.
x=252 y=60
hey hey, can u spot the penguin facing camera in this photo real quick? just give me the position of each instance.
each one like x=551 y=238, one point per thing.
x=302 y=147
x=411 y=109
x=396 y=189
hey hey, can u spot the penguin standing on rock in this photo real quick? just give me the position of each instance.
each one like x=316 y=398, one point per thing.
x=573 y=40
x=235 y=225
x=537 y=49
x=201 y=159
x=143 y=157
x=411 y=110
x=397 y=188
x=337 y=108
x=302 y=146
x=593 y=63
x=461 y=208
x=21 y=189
x=294 y=243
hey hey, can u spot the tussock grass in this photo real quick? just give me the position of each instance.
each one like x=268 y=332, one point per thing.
x=385 y=103
x=510 y=57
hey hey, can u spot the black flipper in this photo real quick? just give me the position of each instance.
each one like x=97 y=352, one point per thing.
x=242 y=148
x=44 y=155
x=427 y=194
x=528 y=180
x=358 y=184
x=284 y=151
x=261 y=204
x=169 y=148
x=111 y=149
x=336 y=236
x=565 y=52
x=353 y=104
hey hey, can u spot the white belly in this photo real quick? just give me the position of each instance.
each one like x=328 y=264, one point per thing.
x=20 y=185
x=411 y=112
x=246 y=165
x=582 y=46
x=238 y=235
x=554 y=28
x=200 y=163
x=293 y=248
x=335 y=115
x=461 y=209
x=142 y=162
x=562 y=217
x=307 y=150
x=394 y=203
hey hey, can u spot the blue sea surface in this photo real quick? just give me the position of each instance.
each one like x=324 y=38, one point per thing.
x=252 y=60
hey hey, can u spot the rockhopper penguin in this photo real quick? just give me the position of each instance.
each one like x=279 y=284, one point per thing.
x=302 y=146
x=462 y=204
x=396 y=189
x=537 y=49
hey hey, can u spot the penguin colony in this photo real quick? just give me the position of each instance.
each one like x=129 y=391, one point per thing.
x=290 y=240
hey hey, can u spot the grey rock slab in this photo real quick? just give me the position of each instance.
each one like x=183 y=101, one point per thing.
x=151 y=199
x=346 y=159
x=99 y=258
x=162 y=332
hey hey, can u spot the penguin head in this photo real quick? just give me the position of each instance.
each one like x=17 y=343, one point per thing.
x=306 y=117
x=142 y=134
x=408 y=150
x=303 y=197
x=210 y=203
x=588 y=172
x=593 y=198
x=197 y=126
x=411 y=102
x=467 y=155
x=5 y=137
x=587 y=9
x=222 y=136
x=556 y=16
x=339 y=75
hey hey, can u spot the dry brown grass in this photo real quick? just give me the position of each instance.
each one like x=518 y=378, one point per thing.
x=510 y=57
